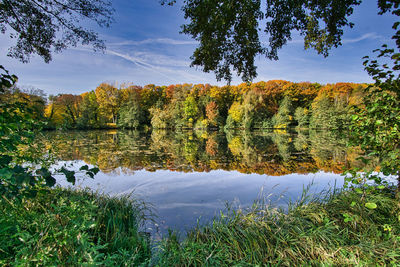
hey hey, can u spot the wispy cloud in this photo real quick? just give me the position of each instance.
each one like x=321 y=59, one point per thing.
x=167 y=41
x=367 y=36
x=173 y=68
x=165 y=68
x=140 y=63
x=163 y=60
x=298 y=39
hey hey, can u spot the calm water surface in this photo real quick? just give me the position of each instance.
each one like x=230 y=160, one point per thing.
x=189 y=177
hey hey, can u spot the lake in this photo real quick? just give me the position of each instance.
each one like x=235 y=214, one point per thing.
x=190 y=177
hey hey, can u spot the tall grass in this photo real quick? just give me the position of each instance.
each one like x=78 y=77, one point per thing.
x=62 y=227
x=337 y=230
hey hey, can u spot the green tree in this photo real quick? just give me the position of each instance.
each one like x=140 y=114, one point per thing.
x=131 y=115
x=90 y=113
x=45 y=26
x=162 y=118
x=323 y=115
x=229 y=34
x=302 y=116
x=284 y=117
x=22 y=169
x=190 y=110
x=39 y=27
x=254 y=109
x=16 y=129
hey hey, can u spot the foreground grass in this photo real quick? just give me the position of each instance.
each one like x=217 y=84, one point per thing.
x=338 y=231
x=63 y=227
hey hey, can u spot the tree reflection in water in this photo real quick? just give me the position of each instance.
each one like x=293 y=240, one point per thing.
x=272 y=153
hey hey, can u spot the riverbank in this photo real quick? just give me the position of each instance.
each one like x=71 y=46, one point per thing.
x=338 y=230
x=64 y=227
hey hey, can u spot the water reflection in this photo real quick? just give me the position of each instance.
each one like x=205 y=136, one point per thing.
x=188 y=175
x=273 y=153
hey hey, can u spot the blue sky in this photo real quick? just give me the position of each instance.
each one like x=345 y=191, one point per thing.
x=144 y=46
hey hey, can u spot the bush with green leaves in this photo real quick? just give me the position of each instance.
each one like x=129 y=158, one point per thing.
x=376 y=124
x=24 y=169
x=16 y=131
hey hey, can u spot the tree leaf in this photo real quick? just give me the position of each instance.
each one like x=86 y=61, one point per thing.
x=371 y=205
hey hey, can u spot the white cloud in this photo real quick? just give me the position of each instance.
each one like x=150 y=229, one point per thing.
x=167 y=41
x=298 y=39
x=367 y=36
x=160 y=64
x=163 y=60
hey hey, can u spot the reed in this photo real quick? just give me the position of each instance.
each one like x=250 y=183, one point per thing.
x=335 y=229
x=78 y=227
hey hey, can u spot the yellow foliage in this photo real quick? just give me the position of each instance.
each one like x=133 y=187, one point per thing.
x=280 y=129
x=54 y=113
x=236 y=111
x=236 y=146
x=111 y=125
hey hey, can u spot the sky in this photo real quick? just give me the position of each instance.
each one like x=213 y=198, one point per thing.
x=144 y=46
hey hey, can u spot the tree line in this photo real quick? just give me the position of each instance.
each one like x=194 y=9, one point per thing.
x=261 y=105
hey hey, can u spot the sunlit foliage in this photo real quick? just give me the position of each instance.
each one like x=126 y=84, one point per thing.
x=262 y=105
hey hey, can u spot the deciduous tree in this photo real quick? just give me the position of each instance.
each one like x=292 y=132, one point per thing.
x=45 y=26
x=230 y=36
x=108 y=98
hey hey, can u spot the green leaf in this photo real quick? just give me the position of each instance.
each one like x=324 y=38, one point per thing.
x=95 y=170
x=84 y=168
x=347 y=217
x=371 y=205
x=359 y=190
x=50 y=181
x=5 y=160
x=70 y=175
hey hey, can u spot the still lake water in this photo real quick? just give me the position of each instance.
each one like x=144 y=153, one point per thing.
x=189 y=177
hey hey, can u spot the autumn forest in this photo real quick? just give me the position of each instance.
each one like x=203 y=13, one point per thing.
x=267 y=173
x=263 y=105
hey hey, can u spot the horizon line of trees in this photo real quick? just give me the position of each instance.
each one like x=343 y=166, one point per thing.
x=262 y=105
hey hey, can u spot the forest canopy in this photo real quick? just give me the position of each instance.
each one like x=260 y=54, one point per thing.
x=263 y=105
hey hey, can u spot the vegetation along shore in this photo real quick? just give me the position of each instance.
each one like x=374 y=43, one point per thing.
x=44 y=224
x=74 y=227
